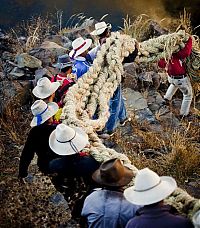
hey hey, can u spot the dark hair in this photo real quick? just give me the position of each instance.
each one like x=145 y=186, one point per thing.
x=104 y=33
x=65 y=69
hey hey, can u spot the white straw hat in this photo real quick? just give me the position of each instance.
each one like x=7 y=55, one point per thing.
x=42 y=112
x=79 y=45
x=45 y=88
x=149 y=188
x=65 y=140
x=196 y=219
x=100 y=28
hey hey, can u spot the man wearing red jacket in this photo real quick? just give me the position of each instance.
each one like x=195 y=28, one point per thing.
x=178 y=79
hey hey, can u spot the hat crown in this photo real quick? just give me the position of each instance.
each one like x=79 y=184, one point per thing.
x=112 y=170
x=100 y=25
x=77 y=42
x=64 y=133
x=38 y=107
x=44 y=85
x=146 y=179
x=44 y=82
x=64 y=59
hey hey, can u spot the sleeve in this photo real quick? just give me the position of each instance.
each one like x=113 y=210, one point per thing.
x=93 y=53
x=162 y=63
x=185 y=52
x=131 y=57
x=27 y=154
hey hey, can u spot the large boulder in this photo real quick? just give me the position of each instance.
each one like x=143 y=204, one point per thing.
x=48 y=52
x=83 y=30
x=13 y=94
x=26 y=60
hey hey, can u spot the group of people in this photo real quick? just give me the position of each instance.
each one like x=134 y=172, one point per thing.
x=64 y=151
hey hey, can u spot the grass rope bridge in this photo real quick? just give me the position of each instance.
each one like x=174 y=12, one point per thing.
x=97 y=86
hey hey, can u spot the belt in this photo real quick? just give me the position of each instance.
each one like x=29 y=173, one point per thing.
x=178 y=76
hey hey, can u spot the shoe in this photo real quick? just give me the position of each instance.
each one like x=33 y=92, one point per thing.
x=123 y=122
x=106 y=134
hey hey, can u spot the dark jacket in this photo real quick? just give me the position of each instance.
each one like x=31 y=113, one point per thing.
x=158 y=217
x=37 y=142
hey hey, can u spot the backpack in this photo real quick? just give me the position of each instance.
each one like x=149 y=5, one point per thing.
x=62 y=89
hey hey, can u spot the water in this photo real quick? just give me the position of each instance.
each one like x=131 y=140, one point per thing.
x=13 y=12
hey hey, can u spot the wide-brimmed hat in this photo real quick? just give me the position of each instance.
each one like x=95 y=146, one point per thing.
x=65 y=140
x=149 y=188
x=79 y=45
x=100 y=27
x=45 y=88
x=63 y=61
x=196 y=219
x=113 y=173
x=42 y=112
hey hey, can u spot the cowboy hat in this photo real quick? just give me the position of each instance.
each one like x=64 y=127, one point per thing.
x=65 y=140
x=113 y=173
x=42 y=112
x=63 y=61
x=196 y=219
x=100 y=27
x=149 y=188
x=79 y=45
x=45 y=88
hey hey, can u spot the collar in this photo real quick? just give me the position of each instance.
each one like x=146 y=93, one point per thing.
x=154 y=211
x=80 y=58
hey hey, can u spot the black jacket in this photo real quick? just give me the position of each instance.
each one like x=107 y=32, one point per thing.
x=37 y=142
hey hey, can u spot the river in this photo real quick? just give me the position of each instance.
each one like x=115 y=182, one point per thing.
x=13 y=12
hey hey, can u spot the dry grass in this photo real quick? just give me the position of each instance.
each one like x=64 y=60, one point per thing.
x=174 y=152
x=136 y=28
x=34 y=30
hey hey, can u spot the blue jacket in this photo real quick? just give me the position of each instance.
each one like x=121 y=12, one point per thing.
x=107 y=209
x=158 y=217
x=80 y=67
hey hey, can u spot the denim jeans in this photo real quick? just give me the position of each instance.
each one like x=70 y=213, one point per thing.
x=117 y=110
x=185 y=87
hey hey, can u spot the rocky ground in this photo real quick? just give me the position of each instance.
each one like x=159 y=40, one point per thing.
x=155 y=136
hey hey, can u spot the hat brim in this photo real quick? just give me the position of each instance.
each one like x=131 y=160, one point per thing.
x=62 y=65
x=154 y=195
x=128 y=176
x=81 y=50
x=100 y=31
x=80 y=141
x=41 y=94
x=52 y=109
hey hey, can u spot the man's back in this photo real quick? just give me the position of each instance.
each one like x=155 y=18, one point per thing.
x=105 y=208
x=157 y=217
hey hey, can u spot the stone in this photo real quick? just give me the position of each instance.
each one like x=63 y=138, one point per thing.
x=129 y=81
x=134 y=100
x=145 y=115
x=48 y=52
x=13 y=92
x=58 y=39
x=83 y=30
x=154 y=100
x=17 y=72
x=58 y=199
x=26 y=60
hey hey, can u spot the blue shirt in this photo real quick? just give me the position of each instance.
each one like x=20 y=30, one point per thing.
x=80 y=67
x=108 y=209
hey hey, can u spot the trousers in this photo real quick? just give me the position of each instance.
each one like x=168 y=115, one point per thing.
x=117 y=110
x=184 y=85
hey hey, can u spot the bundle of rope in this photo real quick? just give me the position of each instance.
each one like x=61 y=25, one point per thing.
x=96 y=87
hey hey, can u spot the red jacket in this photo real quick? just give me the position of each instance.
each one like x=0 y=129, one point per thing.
x=175 y=66
x=62 y=90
